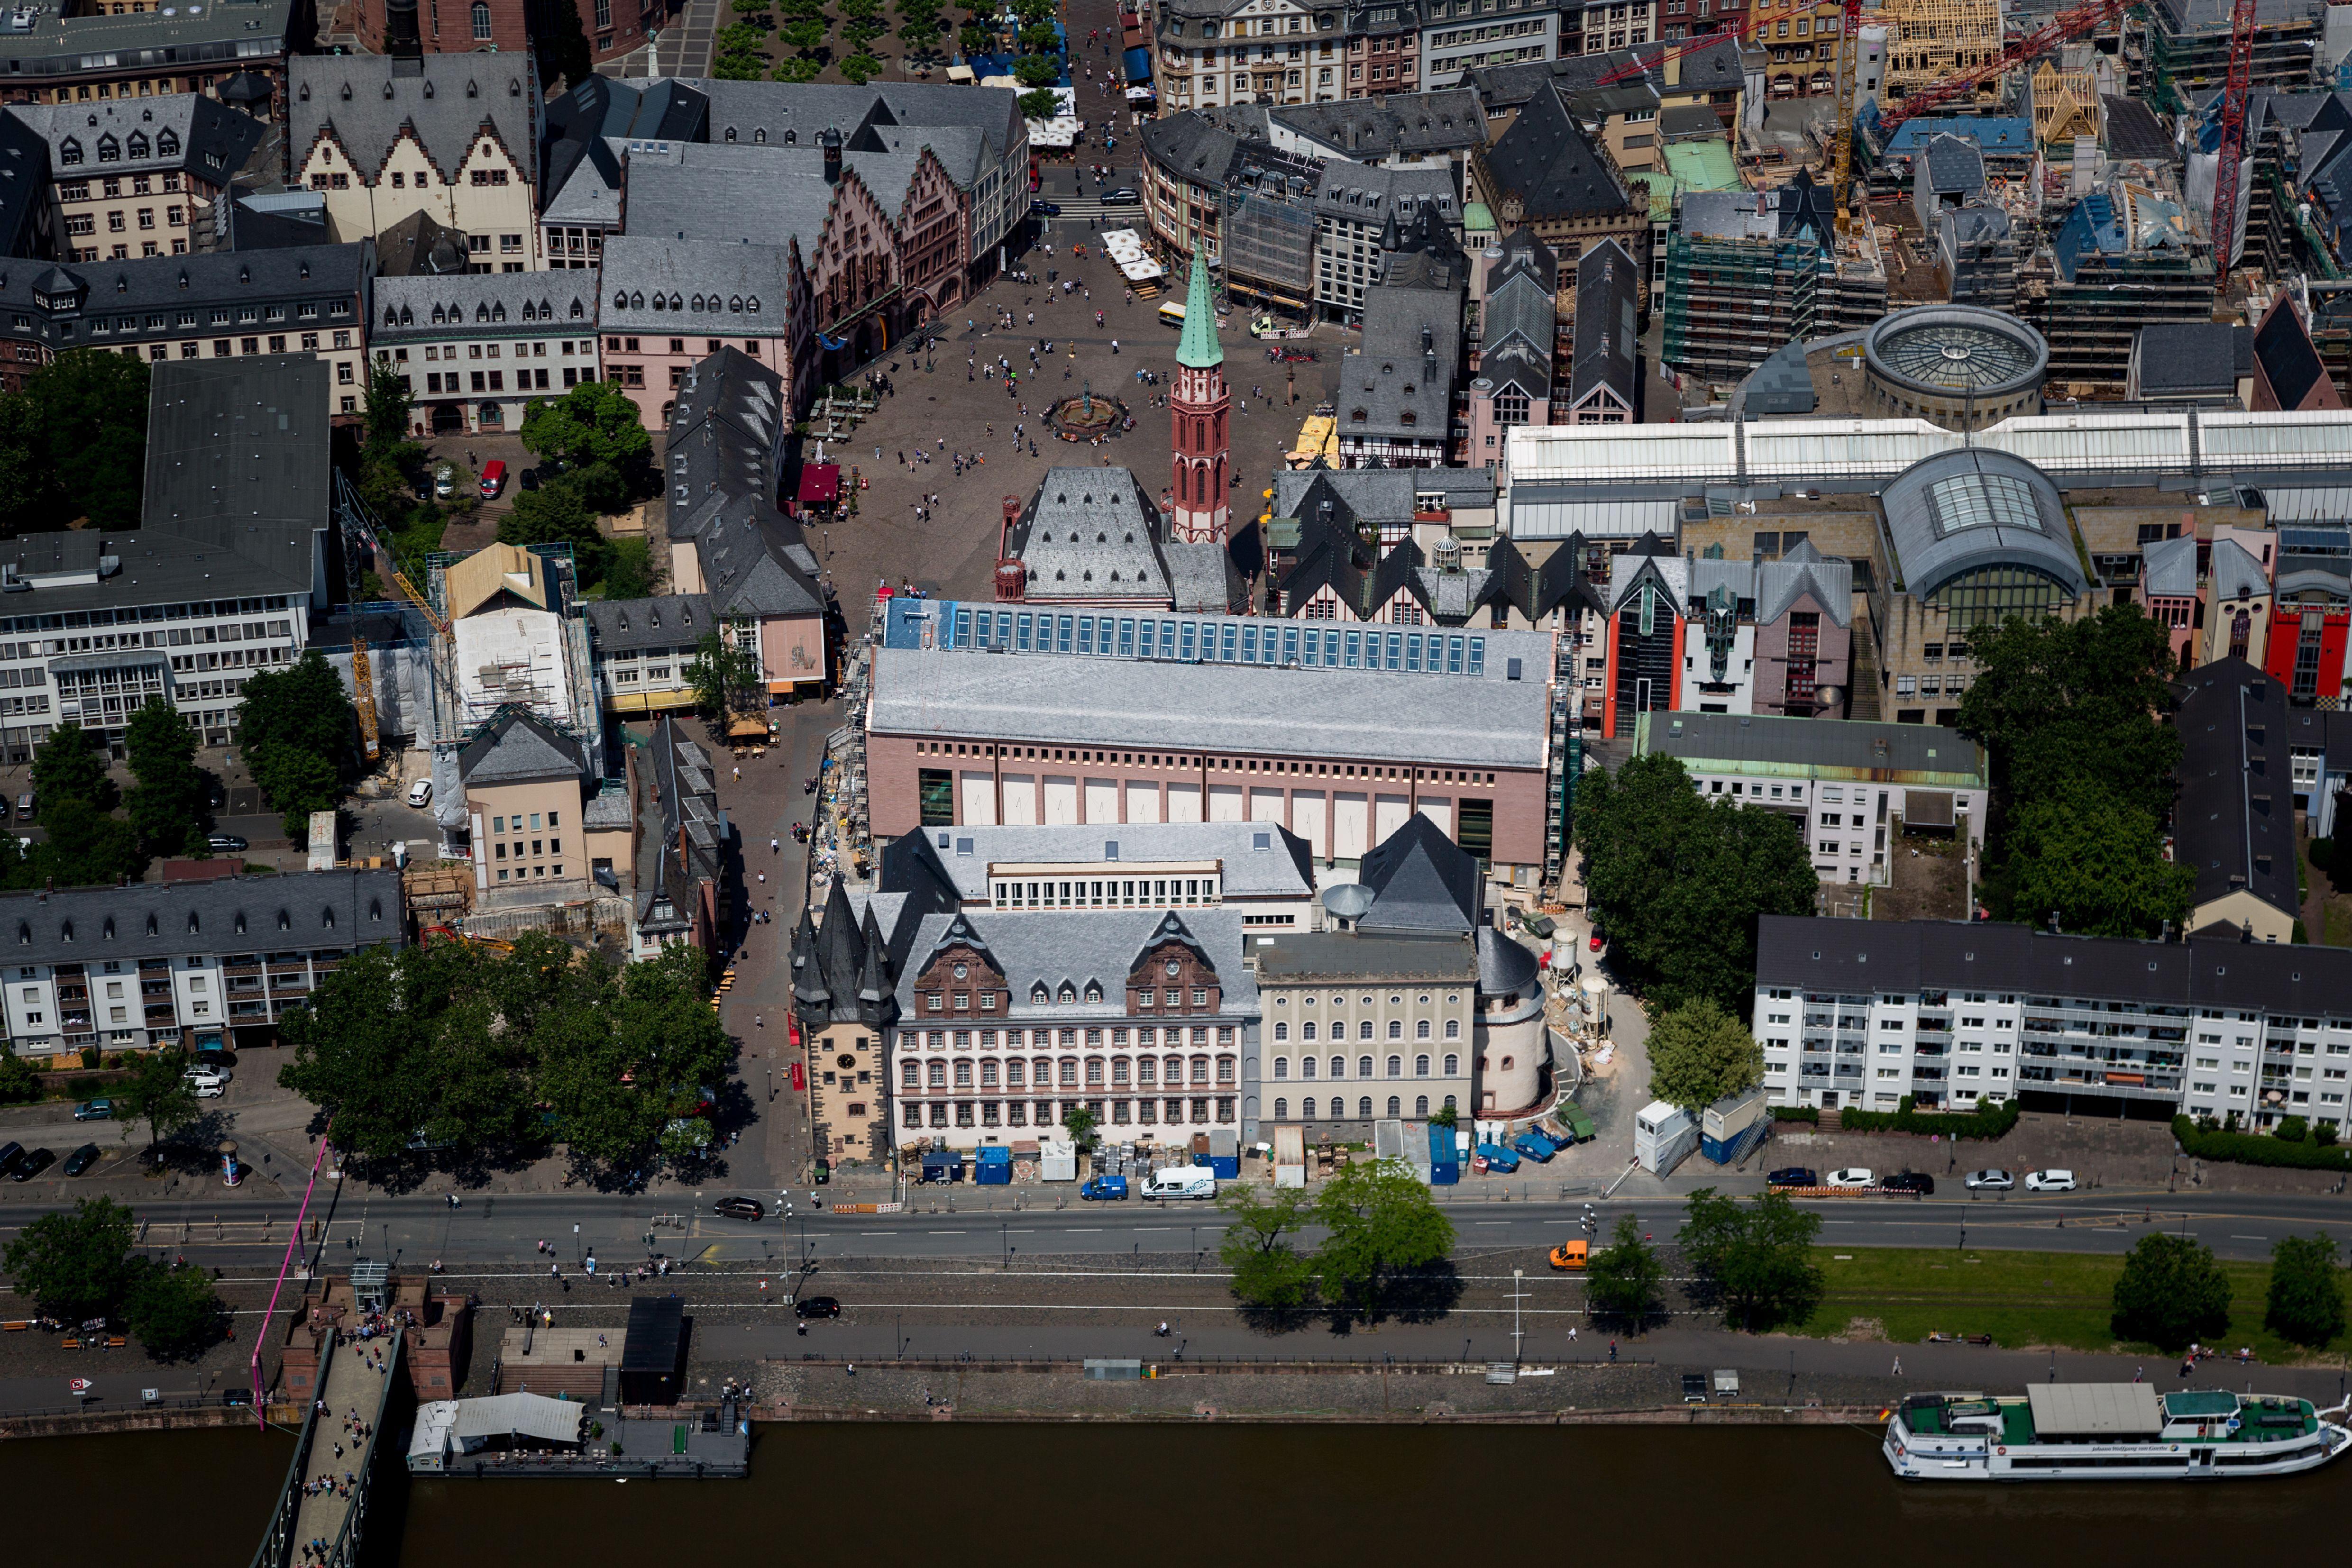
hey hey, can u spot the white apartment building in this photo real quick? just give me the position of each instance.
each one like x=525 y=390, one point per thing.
x=1955 y=1015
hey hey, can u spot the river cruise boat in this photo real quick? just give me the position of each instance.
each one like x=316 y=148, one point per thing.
x=2109 y=1431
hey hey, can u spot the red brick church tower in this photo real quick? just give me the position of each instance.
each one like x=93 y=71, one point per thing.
x=1200 y=407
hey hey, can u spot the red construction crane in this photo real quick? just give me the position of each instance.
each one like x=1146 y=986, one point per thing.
x=2233 y=136
x=1641 y=65
x=2066 y=26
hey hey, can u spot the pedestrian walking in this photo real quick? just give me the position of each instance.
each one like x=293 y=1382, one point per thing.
x=1898 y=1366
x=1612 y=1350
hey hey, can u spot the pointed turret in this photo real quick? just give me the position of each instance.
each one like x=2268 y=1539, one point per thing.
x=808 y=992
x=873 y=979
x=1198 y=348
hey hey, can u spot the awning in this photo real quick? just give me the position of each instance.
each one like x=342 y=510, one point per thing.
x=747 y=729
x=961 y=74
x=820 y=484
x=2093 y=1409
x=1139 y=65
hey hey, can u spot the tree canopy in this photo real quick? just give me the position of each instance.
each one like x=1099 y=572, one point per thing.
x=300 y=738
x=84 y=845
x=2171 y=1292
x=2306 y=1293
x=594 y=423
x=461 y=1048
x=74 y=1266
x=73 y=443
x=169 y=807
x=2057 y=700
x=1381 y=1224
x=172 y=1308
x=1699 y=1053
x=1678 y=884
x=1624 y=1281
x=160 y=1095
x=724 y=674
x=2094 y=862
x=1268 y=1272
x=1753 y=1260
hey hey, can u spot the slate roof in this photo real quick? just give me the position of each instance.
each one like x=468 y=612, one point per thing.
x=185 y=132
x=1548 y=162
x=1402 y=380
x=1802 y=573
x=1197 y=145
x=682 y=840
x=418 y=245
x=517 y=748
x=1095 y=946
x=2188 y=359
x=1517 y=322
x=1607 y=285
x=217 y=37
x=340 y=908
x=483 y=304
x=667 y=621
x=755 y=562
x=1504 y=964
x=1950 y=165
x=2234 y=574
x=1092 y=533
x=2169 y=567
x=1976 y=226
x=1367 y=193
x=1251 y=709
x=718 y=273
x=238 y=458
x=783 y=114
x=1889 y=955
x=141 y=300
x=1365 y=130
x=2234 y=825
x=365 y=100
x=2289 y=362
x=1896 y=753
x=1422 y=883
x=732 y=195
x=2132 y=133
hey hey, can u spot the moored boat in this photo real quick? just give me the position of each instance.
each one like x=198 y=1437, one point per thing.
x=2109 y=1431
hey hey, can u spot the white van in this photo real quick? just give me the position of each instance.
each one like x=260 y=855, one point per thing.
x=1181 y=1181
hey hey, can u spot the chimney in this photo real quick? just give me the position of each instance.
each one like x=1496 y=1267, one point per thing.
x=829 y=140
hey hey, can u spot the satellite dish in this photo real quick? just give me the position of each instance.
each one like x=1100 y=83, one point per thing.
x=1347 y=899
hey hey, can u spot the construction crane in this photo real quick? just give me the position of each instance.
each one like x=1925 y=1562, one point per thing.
x=451 y=934
x=364 y=696
x=1639 y=65
x=2234 y=92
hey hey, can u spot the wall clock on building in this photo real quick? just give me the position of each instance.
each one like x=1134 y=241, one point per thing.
x=962 y=970
x=1172 y=968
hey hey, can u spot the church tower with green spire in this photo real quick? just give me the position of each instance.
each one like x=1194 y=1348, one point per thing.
x=1200 y=407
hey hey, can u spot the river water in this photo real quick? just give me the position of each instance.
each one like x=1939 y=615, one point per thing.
x=1772 y=1496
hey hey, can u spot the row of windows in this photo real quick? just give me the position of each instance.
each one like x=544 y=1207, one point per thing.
x=1220 y=641
x=1338 y=1107
x=1039 y=1039
x=1307 y=1066
x=1015 y=1113
x=1364 y=1030
x=935 y=1072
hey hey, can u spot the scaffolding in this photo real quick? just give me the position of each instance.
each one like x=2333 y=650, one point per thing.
x=1931 y=41
x=1269 y=253
x=2066 y=104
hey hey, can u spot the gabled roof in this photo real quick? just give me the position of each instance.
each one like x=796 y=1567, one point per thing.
x=2288 y=372
x=1548 y=162
x=191 y=132
x=2189 y=359
x=2235 y=573
x=2235 y=826
x=1607 y=285
x=668 y=621
x=1803 y=573
x=366 y=102
x=484 y=304
x=2169 y=567
x=494 y=572
x=516 y=748
x=1091 y=533
x=1950 y=165
x=1401 y=381
x=1422 y=883
x=1172 y=928
x=1366 y=129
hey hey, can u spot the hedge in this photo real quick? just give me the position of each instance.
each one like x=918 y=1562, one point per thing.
x=2257 y=1149
x=1796 y=1114
x=1990 y=1123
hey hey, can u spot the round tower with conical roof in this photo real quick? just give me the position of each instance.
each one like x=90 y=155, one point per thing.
x=1198 y=407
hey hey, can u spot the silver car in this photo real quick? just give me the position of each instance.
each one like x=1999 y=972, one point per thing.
x=1988 y=1181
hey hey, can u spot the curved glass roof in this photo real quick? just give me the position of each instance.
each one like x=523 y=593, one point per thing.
x=1955 y=355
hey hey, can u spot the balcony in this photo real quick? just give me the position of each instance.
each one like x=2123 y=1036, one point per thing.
x=234 y=970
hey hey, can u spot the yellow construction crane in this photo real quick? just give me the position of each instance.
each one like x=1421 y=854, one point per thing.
x=364 y=696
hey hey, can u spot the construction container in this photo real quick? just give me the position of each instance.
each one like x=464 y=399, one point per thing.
x=1224 y=1154
x=1444 y=1159
x=994 y=1166
x=1058 y=1161
x=1664 y=1136
x=1727 y=1129
x=1290 y=1156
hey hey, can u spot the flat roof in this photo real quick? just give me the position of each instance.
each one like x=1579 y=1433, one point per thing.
x=1267 y=710
x=1284 y=868
x=1337 y=954
x=2094 y=1409
x=1772 y=746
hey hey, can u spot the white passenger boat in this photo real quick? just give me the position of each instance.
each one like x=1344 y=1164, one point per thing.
x=2109 y=1431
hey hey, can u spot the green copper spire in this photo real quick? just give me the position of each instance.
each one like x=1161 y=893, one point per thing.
x=1198 y=350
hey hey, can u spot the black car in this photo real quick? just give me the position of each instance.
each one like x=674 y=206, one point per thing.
x=10 y=1152
x=740 y=1208
x=1917 y=1184
x=1045 y=208
x=817 y=1307
x=1124 y=196
x=81 y=1159
x=214 y=1059
x=33 y=1165
x=236 y=1397
x=227 y=844
x=1793 y=1175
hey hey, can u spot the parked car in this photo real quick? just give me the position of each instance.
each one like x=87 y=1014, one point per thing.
x=1124 y=196
x=741 y=1208
x=198 y=1072
x=421 y=792
x=211 y=1087
x=817 y=1307
x=81 y=1159
x=2049 y=1181
x=10 y=1152
x=1495 y=1159
x=494 y=478
x=1793 y=1175
x=1044 y=208
x=1851 y=1176
x=444 y=482
x=1918 y=1184
x=1592 y=945
x=1536 y=1147
x=1988 y=1181
x=33 y=1165
x=94 y=1111
x=1111 y=1188
x=226 y=844
x=1574 y=1253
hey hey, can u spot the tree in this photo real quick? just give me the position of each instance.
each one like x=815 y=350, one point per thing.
x=2306 y=1297
x=1699 y=1053
x=76 y=1265
x=1679 y=884
x=174 y=1310
x=1042 y=104
x=593 y=423
x=19 y=1079
x=1268 y=1271
x=89 y=409
x=561 y=512
x=1624 y=1280
x=2171 y=1292
x=169 y=805
x=2093 y=861
x=973 y=39
x=1034 y=70
x=1381 y=1224
x=724 y=674
x=860 y=68
x=161 y=1095
x=298 y=736
x=805 y=34
x=1080 y=1122
x=629 y=569
x=69 y=767
x=800 y=69
x=1038 y=38
x=2053 y=700
x=648 y=1026
x=1755 y=1261
x=85 y=848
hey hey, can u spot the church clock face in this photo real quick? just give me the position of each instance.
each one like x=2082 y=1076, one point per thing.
x=1173 y=969
x=962 y=970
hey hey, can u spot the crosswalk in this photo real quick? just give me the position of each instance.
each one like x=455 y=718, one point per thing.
x=1080 y=211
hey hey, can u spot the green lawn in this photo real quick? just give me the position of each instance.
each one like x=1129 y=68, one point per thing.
x=2020 y=1298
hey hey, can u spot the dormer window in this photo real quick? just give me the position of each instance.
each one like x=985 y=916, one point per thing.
x=151 y=924
x=1094 y=991
x=285 y=921
x=66 y=931
x=1069 y=993
x=1038 y=995
x=327 y=918
x=240 y=922
x=106 y=930
x=196 y=923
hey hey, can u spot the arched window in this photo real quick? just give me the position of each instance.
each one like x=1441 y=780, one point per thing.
x=1396 y=1029
x=1364 y=1109
x=1307 y=1030
x=1338 y=1067
x=1421 y=1067
x=1363 y=1067
x=1307 y=1067
x=1449 y=1102
x=1282 y=1110
x=1453 y=1028
x=1421 y=1030
x=1453 y=1064
x=1421 y=1104
x=1396 y=1067
x=482 y=22
x=1364 y=1030
x=1281 y=1067
x=731 y=133
x=1395 y=1105
x=1307 y=1108
x=1281 y=1032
